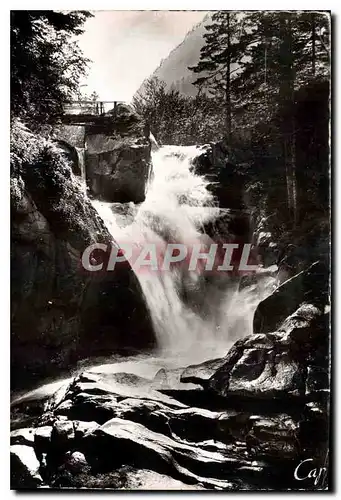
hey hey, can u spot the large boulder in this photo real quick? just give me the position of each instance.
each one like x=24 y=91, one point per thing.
x=60 y=312
x=262 y=367
x=230 y=226
x=278 y=365
x=310 y=285
x=24 y=467
x=117 y=157
x=226 y=181
x=201 y=373
x=25 y=436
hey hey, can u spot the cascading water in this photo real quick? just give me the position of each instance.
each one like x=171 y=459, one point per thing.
x=176 y=207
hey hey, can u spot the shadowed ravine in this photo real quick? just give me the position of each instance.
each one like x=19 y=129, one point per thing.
x=212 y=407
x=177 y=207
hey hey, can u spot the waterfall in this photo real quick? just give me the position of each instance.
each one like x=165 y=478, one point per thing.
x=81 y=163
x=189 y=313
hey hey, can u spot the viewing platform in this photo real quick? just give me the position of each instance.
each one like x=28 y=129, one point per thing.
x=87 y=112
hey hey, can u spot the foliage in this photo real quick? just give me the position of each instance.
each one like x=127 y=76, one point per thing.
x=221 y=57
x=177 y=119
x=46 y=63
x=24 y=148
x=264 y=67
x=39 y=167
x=270 y=78
x=221 y=49
x=91 y=101
x=265 y=52
x=280 y=54
x=264 y=71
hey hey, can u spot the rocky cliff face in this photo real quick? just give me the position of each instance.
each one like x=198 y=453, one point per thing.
x=226 y=182
x=61 y=313
x=117 y=157
x=116 y=153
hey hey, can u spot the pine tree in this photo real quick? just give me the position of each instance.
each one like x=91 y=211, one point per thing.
x=286 y=102
x=46 y=62
x=311 y=45
x=287 y=51
x=260 y=76
x=219 y=60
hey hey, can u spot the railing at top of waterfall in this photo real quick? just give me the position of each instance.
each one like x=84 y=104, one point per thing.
x=93 y=108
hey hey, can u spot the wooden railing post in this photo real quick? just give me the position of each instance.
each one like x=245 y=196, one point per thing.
x=85 y=108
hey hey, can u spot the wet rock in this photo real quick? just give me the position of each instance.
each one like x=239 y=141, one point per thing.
x=42 y=438
x=122 y=422
x=65 y=407
x=96 y=396
x=307 y=333
x=149 y=480
x=266 y=375
x=121 y=441
x=62 y=435
x=193 y=424
x=125 y=213
x=259 y=366
x=274 y=437
x=43 y=462
x=84 y=428
x=171 y=380
x=119 y=174
x=154 y=144
x=255 y=415
x=76 y=462
x=302 y=325
x=71 y=154
x=230 y=226
x=88 y=407
x=124 y=385
x=60 y=312
x=267 y=249
x=24 y=467
x=200 y=374
x=23 y=436
x=288 y=297
x=226 y=182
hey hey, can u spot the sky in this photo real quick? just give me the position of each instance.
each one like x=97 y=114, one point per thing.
x=127 y=46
